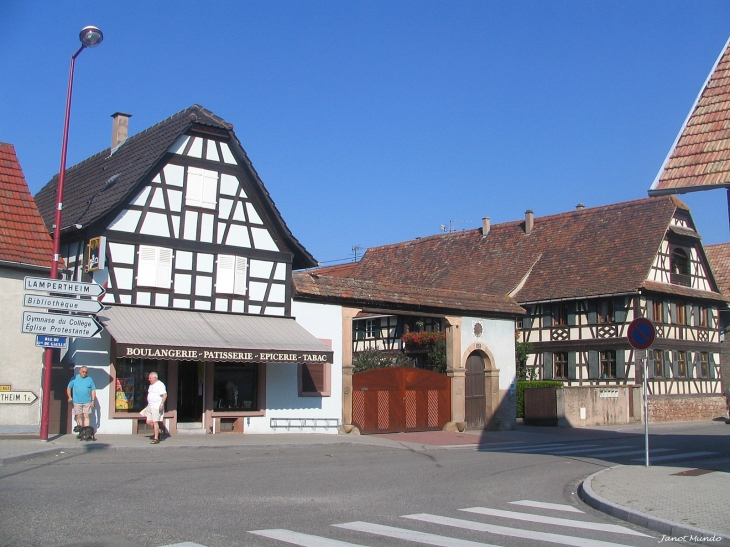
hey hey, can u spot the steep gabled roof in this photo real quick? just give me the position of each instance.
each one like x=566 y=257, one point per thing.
x=719 y=257
x=700 y=156
x=103 y=183
x=582 y=253
x=358 y=292
x=24 y=238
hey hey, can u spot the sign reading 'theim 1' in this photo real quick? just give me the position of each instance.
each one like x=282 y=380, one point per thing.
x=57 y=324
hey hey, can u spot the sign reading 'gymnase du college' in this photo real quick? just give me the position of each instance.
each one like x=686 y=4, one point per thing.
x=212 y=354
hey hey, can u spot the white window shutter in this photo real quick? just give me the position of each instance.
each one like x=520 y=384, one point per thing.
x=147 y=266
x=164 y=268
x=209 y=192
x=225 y=274
x=240 y=284
x=194 y=187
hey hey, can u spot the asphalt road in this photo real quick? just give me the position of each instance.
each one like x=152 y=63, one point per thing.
x=218 y=497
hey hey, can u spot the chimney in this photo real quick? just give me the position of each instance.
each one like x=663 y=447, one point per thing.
x=120 y=128
x=580 y=206
x=486 y=226
x=529 y=221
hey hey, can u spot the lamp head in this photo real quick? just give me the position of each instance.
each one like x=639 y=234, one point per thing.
x=91 y=36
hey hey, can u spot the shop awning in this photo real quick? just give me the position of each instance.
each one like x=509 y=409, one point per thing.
x=154 y=333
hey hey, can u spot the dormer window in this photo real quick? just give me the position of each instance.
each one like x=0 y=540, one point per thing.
x=680 y=268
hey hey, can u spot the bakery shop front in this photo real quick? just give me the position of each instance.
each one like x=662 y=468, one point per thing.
x=215 y=366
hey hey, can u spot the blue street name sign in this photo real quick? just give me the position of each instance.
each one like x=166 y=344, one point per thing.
x=43 y=341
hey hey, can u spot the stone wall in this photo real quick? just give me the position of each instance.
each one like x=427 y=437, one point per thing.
x=675 y=408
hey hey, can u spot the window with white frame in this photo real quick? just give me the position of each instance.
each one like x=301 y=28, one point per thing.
x=154 y=267
x=230 y=277
x=201 y=188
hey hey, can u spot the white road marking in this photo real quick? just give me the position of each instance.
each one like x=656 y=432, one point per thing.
x=615 y=528
x=587 y=450
x=184 y=544
x=513 y=532
x=304 y=540
x=544 y=505
x=627 y=453
x=410 y=535
x=685 y=456
x=539 y=447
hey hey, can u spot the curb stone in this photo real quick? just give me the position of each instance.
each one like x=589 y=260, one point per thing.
x=645 y=520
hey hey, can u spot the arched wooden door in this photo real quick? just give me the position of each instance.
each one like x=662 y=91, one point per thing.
x=475 y=399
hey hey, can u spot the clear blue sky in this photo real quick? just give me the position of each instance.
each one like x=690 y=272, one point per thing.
x=377 y=122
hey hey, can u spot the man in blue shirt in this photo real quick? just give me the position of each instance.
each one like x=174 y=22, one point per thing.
x=83 y=398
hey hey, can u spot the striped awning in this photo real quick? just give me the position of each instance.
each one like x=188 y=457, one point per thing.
x=191 y=335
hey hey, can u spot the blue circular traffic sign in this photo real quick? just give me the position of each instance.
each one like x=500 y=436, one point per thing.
x=641 y=333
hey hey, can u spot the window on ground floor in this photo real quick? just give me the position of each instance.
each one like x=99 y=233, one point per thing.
x=235 y=386
x=704 y=365
x=608 y=364
x=658 y=363
x=560 y=362
x=681 y=364
x=132 y=384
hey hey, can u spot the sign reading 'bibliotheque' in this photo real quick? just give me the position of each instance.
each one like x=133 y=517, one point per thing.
x=52 y=328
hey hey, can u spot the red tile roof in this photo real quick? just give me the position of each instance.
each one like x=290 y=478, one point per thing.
x=700 y=158
x=719 y=257
x=359 y=292
x=578 y=254
x=23 y=236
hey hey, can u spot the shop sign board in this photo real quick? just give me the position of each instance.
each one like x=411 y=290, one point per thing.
x=223 y=354
x=76 y=288
x=43 y=341
x=17 y=397
x=60 y=303
x=56 y=324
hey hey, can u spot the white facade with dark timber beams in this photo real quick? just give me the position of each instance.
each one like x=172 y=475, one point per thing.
x=196 y=262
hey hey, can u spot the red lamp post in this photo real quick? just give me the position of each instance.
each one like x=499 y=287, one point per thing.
x=90 y=37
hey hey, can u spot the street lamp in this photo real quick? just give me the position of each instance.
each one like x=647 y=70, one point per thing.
x=90 y=37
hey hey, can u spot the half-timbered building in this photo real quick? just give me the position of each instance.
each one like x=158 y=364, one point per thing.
x=478 y=331
x=176 y=225
x=582 y=277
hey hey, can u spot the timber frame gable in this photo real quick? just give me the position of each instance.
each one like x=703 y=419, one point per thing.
x=196 y=230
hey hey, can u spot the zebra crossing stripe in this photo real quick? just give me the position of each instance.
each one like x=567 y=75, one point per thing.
x=512 y=532
x=548 y=448
x=544 y=505
x=627 y=453
x=615 y=528
x=304 y=540
x=588 y=450
x=410 y=535
x=685 y=456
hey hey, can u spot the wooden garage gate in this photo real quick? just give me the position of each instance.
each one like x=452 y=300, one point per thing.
x=390 y=400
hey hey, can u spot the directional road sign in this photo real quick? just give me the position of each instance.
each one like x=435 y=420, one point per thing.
x=63 y=287
x=61 y=303
x=641 y=333
x=17 y=397
x=56 y=324
x=43 y=341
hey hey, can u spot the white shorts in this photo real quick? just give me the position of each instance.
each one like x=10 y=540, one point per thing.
x=153 y=414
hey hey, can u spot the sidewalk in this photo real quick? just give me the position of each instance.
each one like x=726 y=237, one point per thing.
x=684 y=503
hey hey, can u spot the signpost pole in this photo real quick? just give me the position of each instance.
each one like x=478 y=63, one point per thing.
x=646 y=412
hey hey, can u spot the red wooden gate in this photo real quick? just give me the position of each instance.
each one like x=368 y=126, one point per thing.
x=389 y=400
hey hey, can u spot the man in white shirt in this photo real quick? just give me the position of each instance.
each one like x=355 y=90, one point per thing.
x=155 y=410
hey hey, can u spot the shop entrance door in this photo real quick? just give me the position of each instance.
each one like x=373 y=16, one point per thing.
x=189 y=391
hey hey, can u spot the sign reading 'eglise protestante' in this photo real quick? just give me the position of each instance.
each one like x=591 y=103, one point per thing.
x=211 y=354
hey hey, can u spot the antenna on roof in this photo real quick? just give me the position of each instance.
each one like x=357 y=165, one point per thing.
x=451 y=225
x=355 y=249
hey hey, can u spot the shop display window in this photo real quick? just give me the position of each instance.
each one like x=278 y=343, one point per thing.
x=235 y=387
x=132 y=383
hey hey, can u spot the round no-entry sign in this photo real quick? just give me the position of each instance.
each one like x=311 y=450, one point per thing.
x=641 y=333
